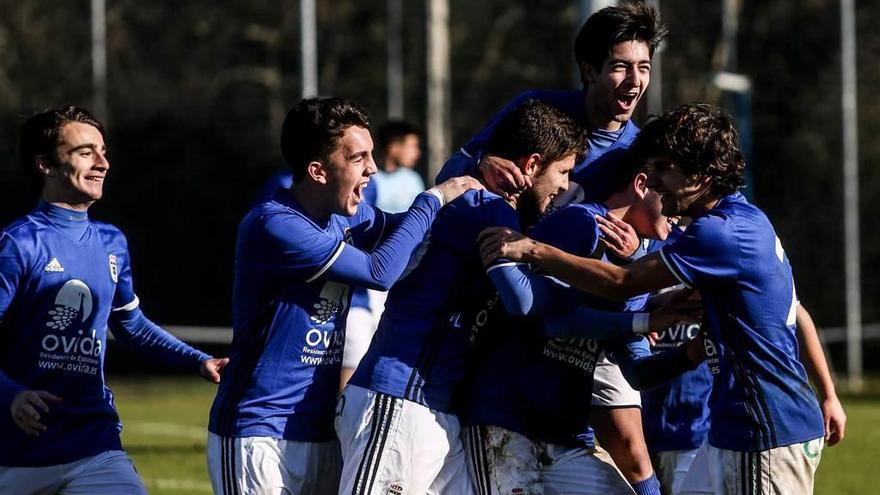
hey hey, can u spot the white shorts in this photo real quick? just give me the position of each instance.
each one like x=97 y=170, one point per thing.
x=359 y=329
x=578 y=471
x=395 y=446
x=502 y=462
x=672 y=467
x=789 y=469
x=108 y=473
x=263 y=465
x=610 y=388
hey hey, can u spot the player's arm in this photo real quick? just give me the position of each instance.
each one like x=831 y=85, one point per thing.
x=382 y=266
x=524 y=292
x=813 y=358
x=131 y=327
x=589 y=275
x=502 y=176
x=25 y=406
x=644 y=370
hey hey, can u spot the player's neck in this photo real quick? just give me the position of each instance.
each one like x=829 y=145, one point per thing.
x=597 y=119
x=65 y=201
x=312 y=200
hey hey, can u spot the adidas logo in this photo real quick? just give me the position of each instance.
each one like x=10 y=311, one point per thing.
x=54 y=266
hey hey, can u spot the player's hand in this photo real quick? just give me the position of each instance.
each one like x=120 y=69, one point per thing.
x=500 y=242
x=27 y=407
x=456 y=186
x=682 y=305
x=835 y=420
x=503 y=177
x=211 y=369
x=619 y=237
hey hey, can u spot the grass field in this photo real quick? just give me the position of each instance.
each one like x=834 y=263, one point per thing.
x=165 y=428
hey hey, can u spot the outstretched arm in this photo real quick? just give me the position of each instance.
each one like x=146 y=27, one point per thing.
x=589 y=275
x=134 y=329
x=813 y=358
x=644 y=370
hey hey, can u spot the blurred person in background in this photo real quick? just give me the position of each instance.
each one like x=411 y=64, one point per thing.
x=64 y=279
x=398 y=184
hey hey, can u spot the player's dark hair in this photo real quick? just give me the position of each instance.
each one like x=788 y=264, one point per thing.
x=620 y=173
x=632 y=20
x=394 y=131
x=41 y=135
x=536 y=127
x=312 y=128
x=699 y=138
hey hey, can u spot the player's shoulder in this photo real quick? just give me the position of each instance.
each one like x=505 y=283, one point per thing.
x=110 y=235
x=574 y=216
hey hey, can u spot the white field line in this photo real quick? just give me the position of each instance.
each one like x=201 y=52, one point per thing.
x=175 y=484
x=166 y=429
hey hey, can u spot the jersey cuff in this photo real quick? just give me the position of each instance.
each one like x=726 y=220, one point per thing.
x=437 y=194
x=506 y=263
x=672 y=269
x=329 y=263
x=130 y=306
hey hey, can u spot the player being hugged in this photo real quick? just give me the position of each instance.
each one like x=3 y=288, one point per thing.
x=396 y=421
x=297 y=258
x=64 y=279
x=767 y=430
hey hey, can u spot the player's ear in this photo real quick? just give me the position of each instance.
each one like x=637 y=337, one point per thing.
x=640 y=184
x=588 y=73
x=44 y=165
x=531 y=164
x=317 y=171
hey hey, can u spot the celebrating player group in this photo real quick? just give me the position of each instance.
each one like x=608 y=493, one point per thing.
x=579 y=306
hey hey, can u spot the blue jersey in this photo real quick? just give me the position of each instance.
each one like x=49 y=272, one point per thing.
x=675 y=415
x=432 y=316
x=61 y=277
x=292 y=289
x=283 y=179
x=542 y=387
x=761 y=398
x=593 y=174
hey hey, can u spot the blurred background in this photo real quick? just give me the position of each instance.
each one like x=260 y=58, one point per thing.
x=193 y=94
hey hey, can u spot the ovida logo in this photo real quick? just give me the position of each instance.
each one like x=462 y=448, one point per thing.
x=331 y=302
x=712 y=359
x=73 y=305
x=329 y=338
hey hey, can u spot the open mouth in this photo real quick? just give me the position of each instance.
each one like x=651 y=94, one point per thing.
x=626 y=101
x=95 y=178
x=358 y=192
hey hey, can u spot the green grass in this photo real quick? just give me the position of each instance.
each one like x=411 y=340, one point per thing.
x=165 y=423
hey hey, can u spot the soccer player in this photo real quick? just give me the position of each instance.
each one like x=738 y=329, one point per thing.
x=613 y=51
x=397 y=182
x=361 y=321
x=64 y=279
x=767 y=429
x=529 y=400
x=396 y=419
x=297 y=257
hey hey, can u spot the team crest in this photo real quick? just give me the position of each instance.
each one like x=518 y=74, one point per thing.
x=114 y=272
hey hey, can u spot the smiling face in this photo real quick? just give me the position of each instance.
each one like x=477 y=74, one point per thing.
x=616 y=89
x=348 y=170
x=679 y=193
x=75 y=174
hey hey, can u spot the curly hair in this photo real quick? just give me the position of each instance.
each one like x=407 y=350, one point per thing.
x=41 y=135
x=312 y=128
x=629 y=21
x=536 y=127
x=699 y=138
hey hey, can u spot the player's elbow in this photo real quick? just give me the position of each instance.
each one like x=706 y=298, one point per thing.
x=517 y=306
